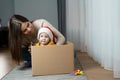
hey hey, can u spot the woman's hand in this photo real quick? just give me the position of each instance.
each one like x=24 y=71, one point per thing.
x=29 y=47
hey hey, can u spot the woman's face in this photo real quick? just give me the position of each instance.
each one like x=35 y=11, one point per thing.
x=27 y=28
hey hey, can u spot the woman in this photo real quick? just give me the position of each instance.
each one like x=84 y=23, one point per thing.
x=22 y=32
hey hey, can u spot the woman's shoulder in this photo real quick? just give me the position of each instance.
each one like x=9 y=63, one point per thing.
x=39 y=20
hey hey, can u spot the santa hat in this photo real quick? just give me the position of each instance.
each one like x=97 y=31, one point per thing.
x=45 y=30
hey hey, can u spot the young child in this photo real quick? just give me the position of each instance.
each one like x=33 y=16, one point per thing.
x=45 y=37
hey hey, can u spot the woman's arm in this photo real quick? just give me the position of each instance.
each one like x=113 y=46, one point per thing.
x=42 y=22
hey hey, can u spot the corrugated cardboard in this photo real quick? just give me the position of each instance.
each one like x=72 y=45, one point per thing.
x=53 y=59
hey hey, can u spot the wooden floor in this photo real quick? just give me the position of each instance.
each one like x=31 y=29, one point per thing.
x=91 y=68
x=6 y=63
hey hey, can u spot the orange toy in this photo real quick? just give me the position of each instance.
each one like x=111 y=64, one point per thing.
x=78 y=72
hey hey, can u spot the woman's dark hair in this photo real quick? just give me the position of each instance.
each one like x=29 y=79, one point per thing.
x=15 y=35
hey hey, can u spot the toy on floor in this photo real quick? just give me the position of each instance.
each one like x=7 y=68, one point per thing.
x=78 y=72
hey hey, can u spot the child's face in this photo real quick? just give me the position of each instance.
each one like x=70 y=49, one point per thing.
x=44 y=39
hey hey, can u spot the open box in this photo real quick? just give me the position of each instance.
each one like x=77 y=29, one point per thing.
x=52 y=59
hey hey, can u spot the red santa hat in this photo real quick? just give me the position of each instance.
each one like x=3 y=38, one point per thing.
x=45 y=30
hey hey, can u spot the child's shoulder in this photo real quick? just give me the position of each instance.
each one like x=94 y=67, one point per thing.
x=51 y=43
x=37 y=44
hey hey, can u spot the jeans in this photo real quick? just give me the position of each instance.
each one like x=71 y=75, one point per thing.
x=26 y=56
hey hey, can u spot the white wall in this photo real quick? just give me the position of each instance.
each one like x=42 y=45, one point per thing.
x=6 y=10
x=35 y=9
x=32 y=9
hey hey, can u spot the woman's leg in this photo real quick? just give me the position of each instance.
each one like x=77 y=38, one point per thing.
x=26 y=58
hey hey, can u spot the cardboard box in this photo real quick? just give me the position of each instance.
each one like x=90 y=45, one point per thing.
x=53 y=59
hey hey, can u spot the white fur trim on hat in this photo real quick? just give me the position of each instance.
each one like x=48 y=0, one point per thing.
x=46 y=30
